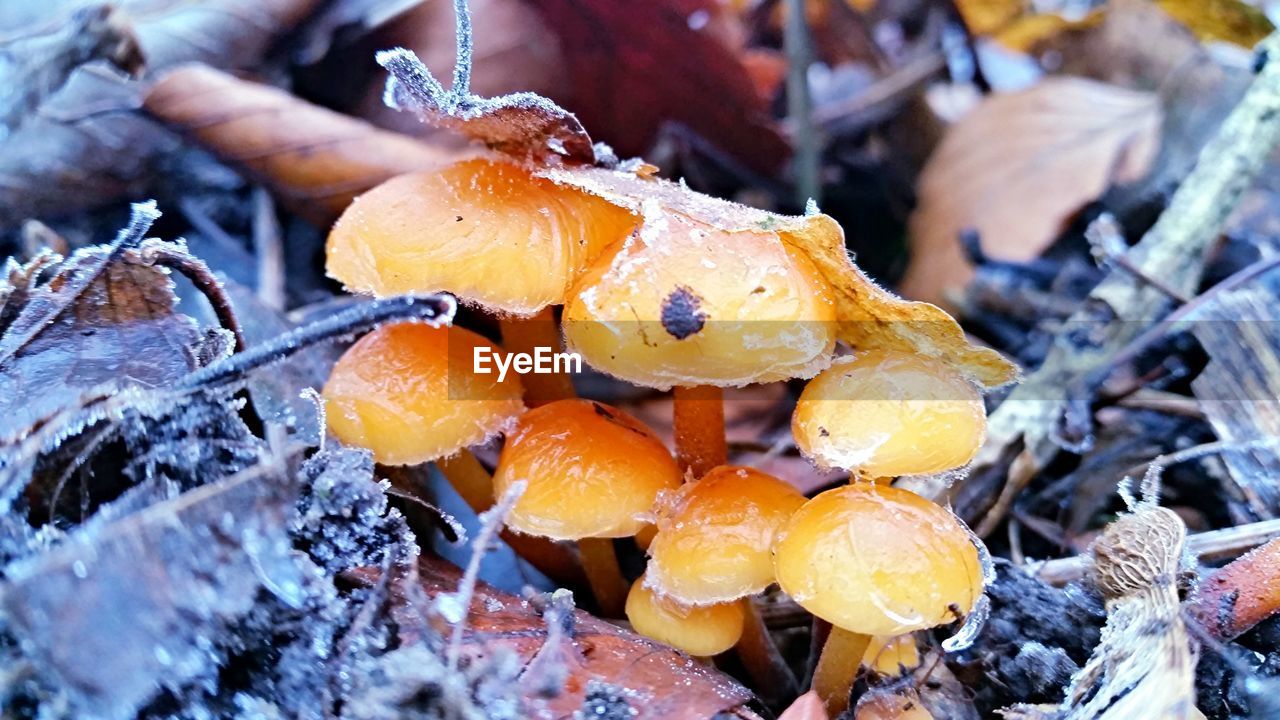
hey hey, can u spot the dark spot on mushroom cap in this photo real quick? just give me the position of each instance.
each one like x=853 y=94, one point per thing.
x=604 y=412
x=822 y=432
x=681 y=316
x=458 y=218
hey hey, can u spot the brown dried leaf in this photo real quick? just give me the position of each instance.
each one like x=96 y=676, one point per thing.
x=1230 y=21
x=87 y=145
x=636 y=66
x=105 y=319
x=867 y=314
x=655 y=680
x=1017 y=167
x=315 y=160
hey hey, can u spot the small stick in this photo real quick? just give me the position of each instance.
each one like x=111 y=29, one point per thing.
x=192 y=268
x=270 y=252
x=795 y=40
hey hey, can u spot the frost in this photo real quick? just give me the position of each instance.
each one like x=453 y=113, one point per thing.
x=973 y=624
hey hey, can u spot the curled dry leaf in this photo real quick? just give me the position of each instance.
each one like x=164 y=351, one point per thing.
x=867 y=314
x=635 y=66
x=1016 y=168
x=594 y=654
x=87 y=145
x=315 y=160
x=104 y=318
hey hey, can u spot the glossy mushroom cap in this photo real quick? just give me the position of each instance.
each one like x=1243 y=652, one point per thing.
x=593 y=471
x=485 y=230
x=886 y=413
x=715 y=535
x=891 y=655
x=876 y=560
x=701 y=631
x=407 y=393
x=681 y=303
x=886 y=704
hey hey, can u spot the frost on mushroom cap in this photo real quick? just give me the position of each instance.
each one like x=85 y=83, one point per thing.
x=592 y=471
x=683 y=303
x=484 y=230
x=715 y=535
x=877 y=560
x=886 y=413
x=406 y=392
x=703 y=631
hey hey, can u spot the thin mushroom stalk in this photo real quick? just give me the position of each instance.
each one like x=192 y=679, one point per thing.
x=698 y=420
x=531 y=336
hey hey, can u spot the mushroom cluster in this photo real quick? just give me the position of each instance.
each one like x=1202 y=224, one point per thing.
x=661 y=297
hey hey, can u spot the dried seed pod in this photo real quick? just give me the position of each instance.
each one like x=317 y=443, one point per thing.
x=715 y=535
x=884 y=413
x=702 y=630
x=592 y=470
x=405 y=391
x=485 y=230
x=877 y=560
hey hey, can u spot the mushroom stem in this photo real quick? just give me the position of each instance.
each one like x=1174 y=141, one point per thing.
x=600 y=563
x=760 y=656
x=1241 y=594
x=526 y=335
x=699 y=429
x=838 y=667
x=475 y=485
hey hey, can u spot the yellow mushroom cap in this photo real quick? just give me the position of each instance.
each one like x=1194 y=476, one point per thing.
x=407 y=392
x=681 y=303
x=703 y=630
x=885 y=704
x=592 y=470
x=890 y=655
x=885 y=413
x=487 y=231
x=877 y=560
x=715 y=535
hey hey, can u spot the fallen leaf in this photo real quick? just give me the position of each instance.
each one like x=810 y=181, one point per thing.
x=315 y=160
x=638 y=66
x=594 y=653
x=867 y=315
x=1229 y=21
x=104 y=318
x=1017 y=167
x=87 y=145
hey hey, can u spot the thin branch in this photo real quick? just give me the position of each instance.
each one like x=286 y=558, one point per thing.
x=462 y=66
x=192 y=268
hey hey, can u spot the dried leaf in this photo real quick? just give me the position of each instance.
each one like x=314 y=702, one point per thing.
x=87 y=145
x=867 y=314
x=122 y=607
x=104 y=320
x=1229 y=21
x=314 y=159
x=637 y=66
x=522 y=124
x=1017 y=167
x=647 y=679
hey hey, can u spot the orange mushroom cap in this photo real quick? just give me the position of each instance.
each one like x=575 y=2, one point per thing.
x=885 y=413
x=683 y=303
x=485 y=230
x=406 y=391
x=703 y=630
x=890 y=655
x=715 y=535
x=878 y=560
x=592 y=470
x=885 y=704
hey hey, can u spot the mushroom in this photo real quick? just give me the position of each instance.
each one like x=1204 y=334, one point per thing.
x=891 y=654
x=405 y=392
x=686 y=305
x=874 y=560
x=884 y=413
x=715 y=536
x=593 y=473
x=700 y=630
x=486 y=230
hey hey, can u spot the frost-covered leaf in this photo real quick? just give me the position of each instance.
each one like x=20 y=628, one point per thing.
x=103 y=319
x=868 y=315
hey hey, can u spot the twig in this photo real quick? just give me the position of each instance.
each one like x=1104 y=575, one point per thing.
x=192 y=268
x=795 y=40
x=270 y=252
x=1171 y=250
x=433 y=309
x=462 y=66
